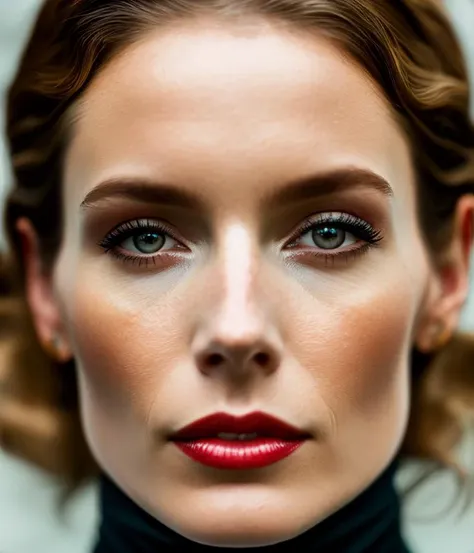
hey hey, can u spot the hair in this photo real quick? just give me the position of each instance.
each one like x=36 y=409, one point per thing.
x=407 y=47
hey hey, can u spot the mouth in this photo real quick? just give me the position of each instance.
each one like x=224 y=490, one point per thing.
x=224 y=441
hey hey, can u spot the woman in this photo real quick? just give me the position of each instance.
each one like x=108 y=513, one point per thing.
x=245 y=226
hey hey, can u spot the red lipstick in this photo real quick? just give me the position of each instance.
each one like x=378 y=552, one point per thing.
x=239 y=443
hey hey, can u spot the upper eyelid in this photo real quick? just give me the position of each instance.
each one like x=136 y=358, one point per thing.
x=156 y=224
x=125 y=229
x=323 y=218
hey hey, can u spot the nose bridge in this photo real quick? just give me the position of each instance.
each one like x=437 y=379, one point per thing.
x=237 y=328
x=238 y=312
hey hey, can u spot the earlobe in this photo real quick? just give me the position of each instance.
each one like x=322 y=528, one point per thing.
x=40 y=297
x=435 y=337
x=449 y=286
x=57 y=349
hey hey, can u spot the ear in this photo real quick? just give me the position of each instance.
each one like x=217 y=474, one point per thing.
x=40 y=296
x=449 y=285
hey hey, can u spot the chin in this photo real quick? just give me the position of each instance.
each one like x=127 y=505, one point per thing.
x=253 y=525
x=239 y=533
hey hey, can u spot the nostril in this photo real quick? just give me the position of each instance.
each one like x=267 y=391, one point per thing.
x=215 y=359
x=262 y=359
x=237 y=358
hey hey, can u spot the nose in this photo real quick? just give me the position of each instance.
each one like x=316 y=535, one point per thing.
x=233 y=347
x=238 y=333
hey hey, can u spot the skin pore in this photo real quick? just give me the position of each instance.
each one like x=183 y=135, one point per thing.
x=211 y=146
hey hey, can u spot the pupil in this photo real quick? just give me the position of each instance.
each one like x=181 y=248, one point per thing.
x=328 y=237
x=150 y=242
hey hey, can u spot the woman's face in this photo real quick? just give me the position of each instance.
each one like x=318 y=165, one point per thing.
x=240 y=236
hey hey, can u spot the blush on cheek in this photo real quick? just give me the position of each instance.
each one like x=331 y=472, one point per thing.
x=125 y=345
x=108 y=348
x=375 y=368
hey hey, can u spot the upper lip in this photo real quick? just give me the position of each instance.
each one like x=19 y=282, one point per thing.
x=253 y=423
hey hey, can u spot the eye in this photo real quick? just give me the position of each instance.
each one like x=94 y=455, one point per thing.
x=328 y=237
x=146 y=243
x=334 y=234
x=141 y=240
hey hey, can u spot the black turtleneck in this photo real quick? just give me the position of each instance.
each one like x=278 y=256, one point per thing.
x=369 y=524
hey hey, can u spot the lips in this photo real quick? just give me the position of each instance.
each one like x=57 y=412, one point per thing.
x=228 y=442
x=253 y=423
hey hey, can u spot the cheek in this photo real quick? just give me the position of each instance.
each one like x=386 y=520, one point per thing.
x=124 y=344
x=358 y=357
x=374 y=368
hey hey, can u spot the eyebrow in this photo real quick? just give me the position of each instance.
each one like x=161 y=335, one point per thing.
x=331 y=182
x=143 y=190
x=313 y=186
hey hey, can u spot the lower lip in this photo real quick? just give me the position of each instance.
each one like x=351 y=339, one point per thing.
x=239 y=455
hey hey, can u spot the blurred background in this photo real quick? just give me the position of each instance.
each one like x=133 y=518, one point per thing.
x=29 y=520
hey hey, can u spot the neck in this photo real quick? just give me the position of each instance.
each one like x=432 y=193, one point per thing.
x=369 y=524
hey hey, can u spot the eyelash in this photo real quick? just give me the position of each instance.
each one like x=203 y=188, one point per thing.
x=128 y=230
x=343 y=221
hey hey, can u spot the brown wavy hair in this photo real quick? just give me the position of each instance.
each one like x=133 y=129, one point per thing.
x=406 y=46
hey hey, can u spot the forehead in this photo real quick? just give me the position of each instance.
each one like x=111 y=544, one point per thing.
x=208 y=96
